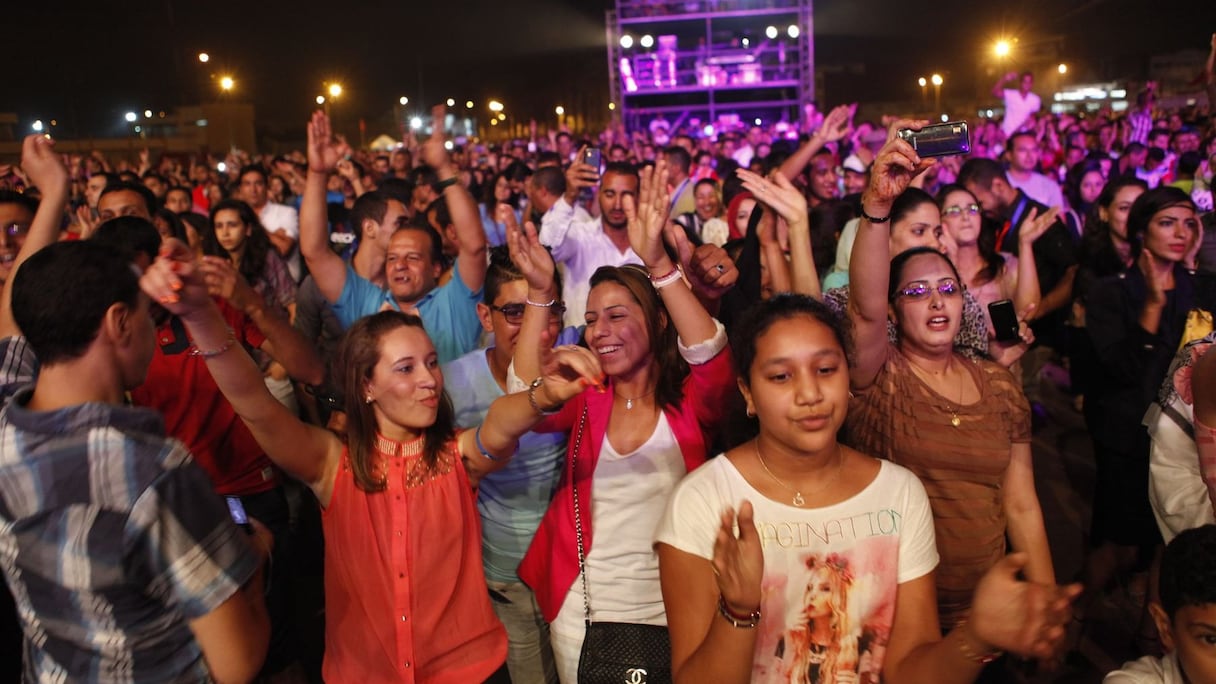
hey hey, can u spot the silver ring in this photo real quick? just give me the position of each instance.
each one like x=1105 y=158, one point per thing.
x=721 y=268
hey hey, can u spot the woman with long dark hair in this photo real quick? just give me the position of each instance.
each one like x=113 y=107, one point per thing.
x=405 y=592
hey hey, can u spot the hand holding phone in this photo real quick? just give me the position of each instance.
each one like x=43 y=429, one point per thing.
x=1005 y=321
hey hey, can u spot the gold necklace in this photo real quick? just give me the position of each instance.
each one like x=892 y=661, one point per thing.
x=798 y=500
x=954 y=419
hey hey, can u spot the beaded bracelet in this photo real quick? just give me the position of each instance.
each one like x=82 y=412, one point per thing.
x=543 y=305
x=666 y=279
x=211 y=353
x=748 y=621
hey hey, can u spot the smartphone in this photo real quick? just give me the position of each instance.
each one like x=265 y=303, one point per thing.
x=237 y=511
x=939 y=140
x=1004 y=321
x=593 y=157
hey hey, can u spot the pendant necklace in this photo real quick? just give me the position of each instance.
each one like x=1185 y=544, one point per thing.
x=629 y=400
x=798 y=500
x=952 y=408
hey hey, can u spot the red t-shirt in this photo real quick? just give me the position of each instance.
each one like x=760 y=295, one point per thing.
x=181 y=388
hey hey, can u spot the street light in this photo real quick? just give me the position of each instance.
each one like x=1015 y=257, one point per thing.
x=559 y=110
x=936 y=79
x=37 y=126
x=494 y=106
x=130 y=117
x=204 y=57
x=335 y=89
x=468 y=104
x=226 y=83
x=1063 y=69
x=403 y=100
x=1002 y=48
x=320 y=99
x=451 y=102
x=924 y=93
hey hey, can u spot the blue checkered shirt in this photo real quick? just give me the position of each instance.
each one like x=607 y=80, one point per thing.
x=111 y=539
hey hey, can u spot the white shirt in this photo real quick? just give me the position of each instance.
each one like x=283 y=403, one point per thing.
x=1040 y=188
x=1018 y=108
x=580 y=247
x=1148 y=670
x=275 y=217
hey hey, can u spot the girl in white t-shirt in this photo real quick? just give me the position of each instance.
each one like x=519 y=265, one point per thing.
x=828 y=576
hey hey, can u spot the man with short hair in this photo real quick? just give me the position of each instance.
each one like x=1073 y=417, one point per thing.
x=679 y=162
x=583 y=246
x=414 y=259
x=177 y=199
x=125 y=565
x=156 y=183
x=1020 y=103
x=124 y=198
x=16 y=213
x=281 y=222
x=1022 y=152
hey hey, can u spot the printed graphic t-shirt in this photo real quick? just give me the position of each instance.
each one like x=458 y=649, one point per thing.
x=830 y=570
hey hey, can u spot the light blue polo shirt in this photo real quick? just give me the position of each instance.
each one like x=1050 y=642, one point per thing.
x=449 y=312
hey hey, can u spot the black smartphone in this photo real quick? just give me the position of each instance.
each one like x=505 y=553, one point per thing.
x=939 y=140
x=237 y=510
x=1004 y=321
x=593 y=157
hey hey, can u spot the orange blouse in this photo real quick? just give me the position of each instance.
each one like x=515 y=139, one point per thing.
x=405 y=594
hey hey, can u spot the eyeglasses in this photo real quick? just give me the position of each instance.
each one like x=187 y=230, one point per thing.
x=16 y=229
x=514 y=313
x=921 y=289
x=971 y=209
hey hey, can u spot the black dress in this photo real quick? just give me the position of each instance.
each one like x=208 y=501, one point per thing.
x=1131 y=366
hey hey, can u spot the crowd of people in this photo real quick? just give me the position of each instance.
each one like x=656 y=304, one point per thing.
x=742 y=407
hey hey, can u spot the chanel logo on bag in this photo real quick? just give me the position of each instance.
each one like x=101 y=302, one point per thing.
x=635 y=675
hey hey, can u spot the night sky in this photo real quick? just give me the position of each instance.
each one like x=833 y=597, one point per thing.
x=85 y=63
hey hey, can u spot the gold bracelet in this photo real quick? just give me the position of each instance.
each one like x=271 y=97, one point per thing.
x=211 y=353
x=532 y=398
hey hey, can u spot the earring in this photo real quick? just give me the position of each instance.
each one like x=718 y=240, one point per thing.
x=750 y=412
x=851 y=395
x=368 y=399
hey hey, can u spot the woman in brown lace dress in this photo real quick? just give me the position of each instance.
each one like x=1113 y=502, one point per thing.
x=961 y=425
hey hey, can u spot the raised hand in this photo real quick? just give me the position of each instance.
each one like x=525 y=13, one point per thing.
x=709 y=269
x=529 y=255
x=778 y=193
x=648 y=215
x=224 y=281
x=41 y=165
x=738 y=561
x=1008 y=353
x=837 y=123
x=347 y=170
x=1034 y=226
x=580 y=176
x=894 y=167
x=324 y=149
x=175 y=280
x=434 y=154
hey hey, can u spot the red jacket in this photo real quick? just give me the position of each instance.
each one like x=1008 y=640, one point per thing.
x=551 y=564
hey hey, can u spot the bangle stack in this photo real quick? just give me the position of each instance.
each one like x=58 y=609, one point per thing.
x=748 y=621
x=532 y=398
x=211 y=353
x=666 y=279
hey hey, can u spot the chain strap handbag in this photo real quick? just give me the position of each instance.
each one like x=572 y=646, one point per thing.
x=615 y=652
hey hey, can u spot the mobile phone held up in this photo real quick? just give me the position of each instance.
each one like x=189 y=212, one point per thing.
x=593 y=157
x=1004 y=321
x=939 y=140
